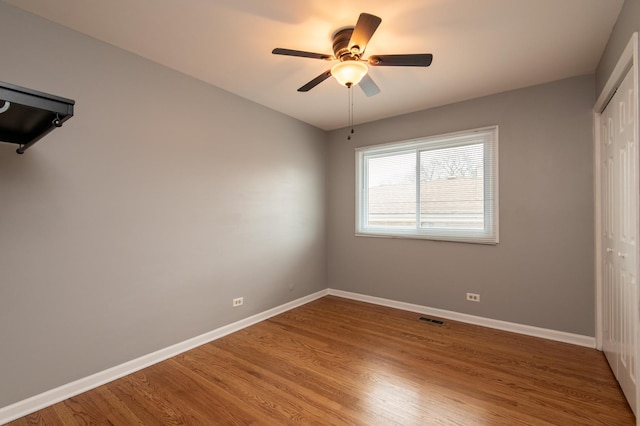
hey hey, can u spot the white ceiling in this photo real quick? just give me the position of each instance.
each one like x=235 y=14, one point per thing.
x=480 y=47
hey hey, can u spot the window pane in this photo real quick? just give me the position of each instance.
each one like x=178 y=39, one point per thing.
x=452 y=188
x=442 y=187
x=391 y=184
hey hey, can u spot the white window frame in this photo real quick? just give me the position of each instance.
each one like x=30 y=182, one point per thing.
x=488 y=136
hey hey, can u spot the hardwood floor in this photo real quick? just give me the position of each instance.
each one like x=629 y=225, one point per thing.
x=336 y=361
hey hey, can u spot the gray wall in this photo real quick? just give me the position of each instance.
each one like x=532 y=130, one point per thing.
x=132 y=227
x=541 y=273
x=628 y=22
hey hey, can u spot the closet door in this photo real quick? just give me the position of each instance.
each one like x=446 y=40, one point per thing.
x=619 y=240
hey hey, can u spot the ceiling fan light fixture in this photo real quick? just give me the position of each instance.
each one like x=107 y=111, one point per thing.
x=349 y=73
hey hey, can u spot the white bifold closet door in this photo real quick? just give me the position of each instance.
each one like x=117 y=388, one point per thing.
x=619 y=188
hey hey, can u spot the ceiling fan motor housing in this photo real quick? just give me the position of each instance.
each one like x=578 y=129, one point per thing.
x=341 y=45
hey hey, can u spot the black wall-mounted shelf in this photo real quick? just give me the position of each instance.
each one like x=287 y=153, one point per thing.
x=29 y=115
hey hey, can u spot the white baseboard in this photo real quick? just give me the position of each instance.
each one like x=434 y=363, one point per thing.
x=53 y=396
x=560 y=336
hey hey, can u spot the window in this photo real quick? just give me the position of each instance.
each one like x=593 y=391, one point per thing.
x=442 y=188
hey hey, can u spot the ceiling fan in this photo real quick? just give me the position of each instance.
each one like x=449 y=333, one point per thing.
x=349 y=45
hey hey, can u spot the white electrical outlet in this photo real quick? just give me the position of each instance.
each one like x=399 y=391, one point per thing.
x=473 y=297
x=238 y=302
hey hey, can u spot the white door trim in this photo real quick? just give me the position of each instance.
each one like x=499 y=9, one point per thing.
x=628 y=61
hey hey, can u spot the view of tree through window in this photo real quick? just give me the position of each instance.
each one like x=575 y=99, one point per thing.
x=452 y=187
x=434 y=186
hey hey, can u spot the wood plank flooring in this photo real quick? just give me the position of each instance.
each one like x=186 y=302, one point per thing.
x=340 y=362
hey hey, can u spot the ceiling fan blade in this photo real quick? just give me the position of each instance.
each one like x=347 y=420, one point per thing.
x=365 y=27
x=300 y=53
x=313 y=83
x=415 y=60
x=368 y=86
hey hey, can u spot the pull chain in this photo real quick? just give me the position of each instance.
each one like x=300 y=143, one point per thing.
x=350 y=101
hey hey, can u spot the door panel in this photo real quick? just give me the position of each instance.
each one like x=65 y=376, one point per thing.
x=619 y=188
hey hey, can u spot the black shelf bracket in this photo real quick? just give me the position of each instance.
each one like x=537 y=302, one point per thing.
x=26 y=115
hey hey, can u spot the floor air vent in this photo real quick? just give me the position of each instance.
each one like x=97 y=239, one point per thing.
x=431 y=320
